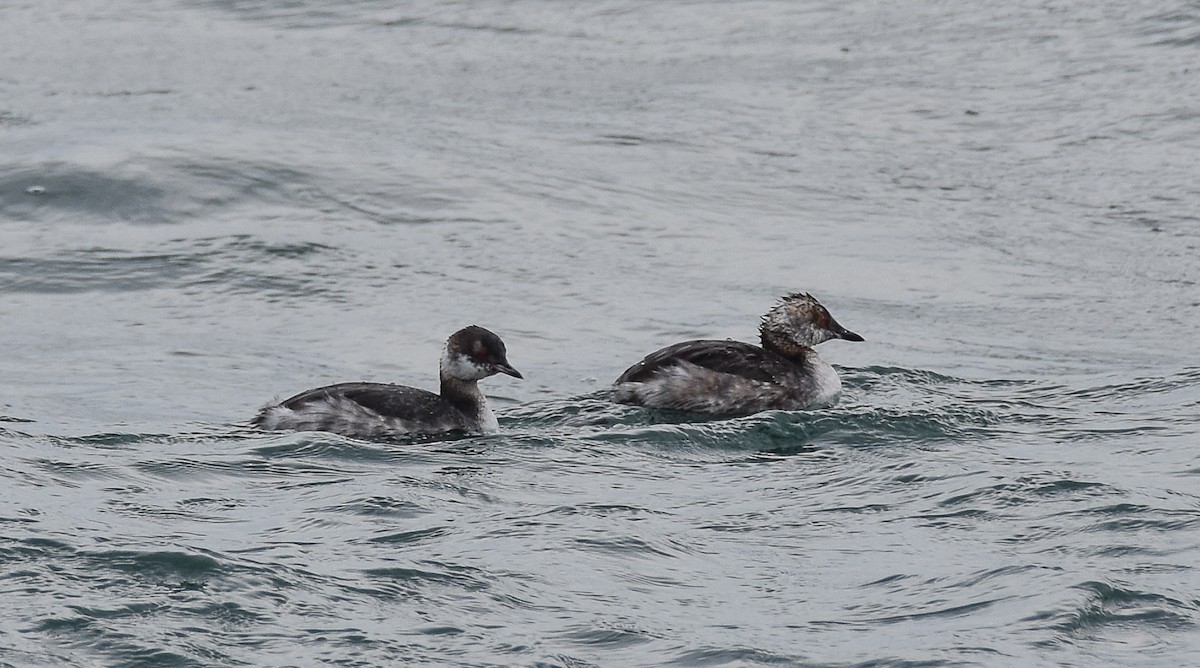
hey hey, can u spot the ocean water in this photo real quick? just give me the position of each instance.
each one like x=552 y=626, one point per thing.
x=207 y=205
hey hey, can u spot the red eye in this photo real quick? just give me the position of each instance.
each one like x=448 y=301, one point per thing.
x=479 y=353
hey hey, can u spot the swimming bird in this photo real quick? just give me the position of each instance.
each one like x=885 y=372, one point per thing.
x=380 y=410
x=735 y=378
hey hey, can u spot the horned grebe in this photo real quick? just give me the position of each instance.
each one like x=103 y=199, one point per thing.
x=735 y=378
x=379 y=410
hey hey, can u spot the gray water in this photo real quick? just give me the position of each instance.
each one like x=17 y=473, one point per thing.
x=205 y=205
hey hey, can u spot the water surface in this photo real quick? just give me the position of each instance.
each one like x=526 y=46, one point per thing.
x=207 y=205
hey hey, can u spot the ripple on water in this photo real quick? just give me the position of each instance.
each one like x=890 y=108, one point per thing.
x=380 y=506
x=736 y=656
x=881 y=406
x=1108 y=608
x=1176 y=27
x=423 y=580
x=919 y=409
x=630 y=546
x=1028 y=490
x=230 y=265
x=59 y=191
x=150 y=191
x=291 y=446
x=1133 y=517
x=412 y=537
x=610 y=636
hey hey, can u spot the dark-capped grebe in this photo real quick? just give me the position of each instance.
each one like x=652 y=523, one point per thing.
x=735 y=378
x=378 y=410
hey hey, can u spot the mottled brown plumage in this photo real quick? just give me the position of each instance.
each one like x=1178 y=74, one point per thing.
x=735 y=378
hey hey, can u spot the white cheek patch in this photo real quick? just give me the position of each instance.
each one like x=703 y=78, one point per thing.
x=464 y=368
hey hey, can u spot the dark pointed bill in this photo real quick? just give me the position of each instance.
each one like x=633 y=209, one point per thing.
x=505 y=368
x=843 y=333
